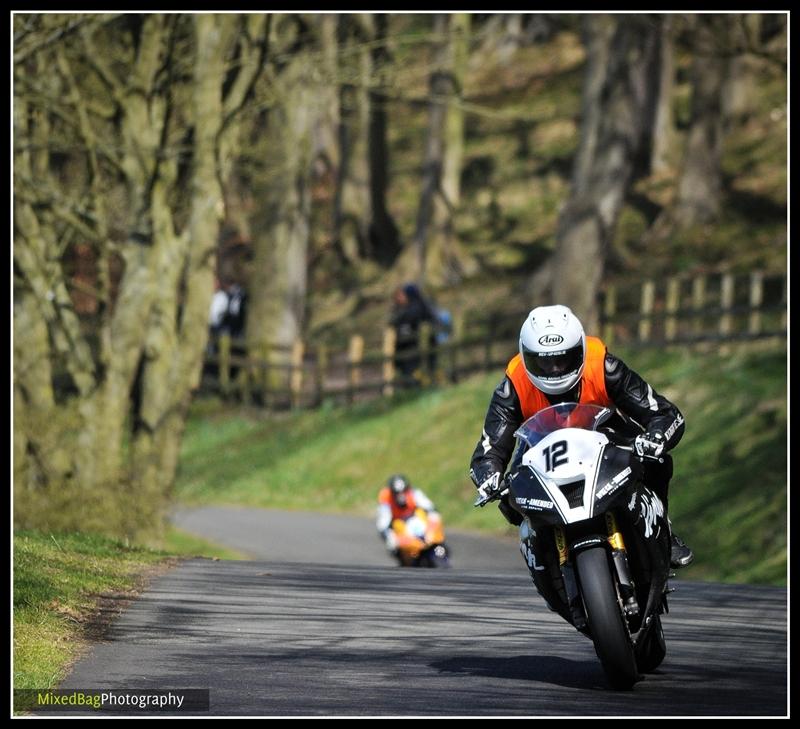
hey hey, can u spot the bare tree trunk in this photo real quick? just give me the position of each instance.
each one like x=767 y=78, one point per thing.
x=138 y=374
x=250 y=55
x=503 y=34
x=326 y=128
x=353 y=207
x=741 y=78
x=278 y=287
x=612 y=131
x=439 y=258
x=663 y=128
x=383 y=233
x=179 y=324
x=700 y=183
x=598 y=38
x=440 y=86
x=458 y=52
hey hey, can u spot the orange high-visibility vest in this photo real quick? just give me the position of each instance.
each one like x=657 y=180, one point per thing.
x=593 y=381
x=398 y=512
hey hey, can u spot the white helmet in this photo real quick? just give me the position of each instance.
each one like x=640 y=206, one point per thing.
x=552 y=345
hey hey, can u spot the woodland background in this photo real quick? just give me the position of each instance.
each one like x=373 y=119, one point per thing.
x=320 y=160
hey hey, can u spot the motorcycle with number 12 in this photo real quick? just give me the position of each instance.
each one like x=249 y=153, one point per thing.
x=595 y=537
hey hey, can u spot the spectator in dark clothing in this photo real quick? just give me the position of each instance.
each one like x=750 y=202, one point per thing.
x=409 y=312
x=228 y=311
x=227 y=316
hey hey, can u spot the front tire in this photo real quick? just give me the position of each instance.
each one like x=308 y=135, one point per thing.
x=436 y=556
x=654 y=648
x=612 y=642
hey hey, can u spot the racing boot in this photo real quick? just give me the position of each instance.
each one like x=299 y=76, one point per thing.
x=681 y=555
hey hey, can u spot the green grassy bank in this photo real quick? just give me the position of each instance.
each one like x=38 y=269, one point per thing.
x=68 y=587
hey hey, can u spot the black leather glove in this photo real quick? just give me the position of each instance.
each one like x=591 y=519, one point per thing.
x=651 y=443
x=490 y=486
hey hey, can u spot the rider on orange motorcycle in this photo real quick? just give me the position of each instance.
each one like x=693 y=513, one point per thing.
x=398 y=503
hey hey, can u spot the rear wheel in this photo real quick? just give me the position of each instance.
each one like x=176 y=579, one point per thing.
x=612 y=642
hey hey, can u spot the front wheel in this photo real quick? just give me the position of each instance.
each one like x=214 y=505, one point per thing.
x=436 y=556
x=652 y=651
x=612 y=642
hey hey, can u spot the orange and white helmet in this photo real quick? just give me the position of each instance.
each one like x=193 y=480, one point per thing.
x=552 y=345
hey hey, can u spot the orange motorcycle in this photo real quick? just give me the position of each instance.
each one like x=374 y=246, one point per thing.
x=420 y=541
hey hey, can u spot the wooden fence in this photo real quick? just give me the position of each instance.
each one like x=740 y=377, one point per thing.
x=679 y=310
x=691 y=309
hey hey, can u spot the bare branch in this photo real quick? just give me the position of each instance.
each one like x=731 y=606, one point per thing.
x=88 y=290
x=63 y=209
x=95 y=60
x=84 y=126
x=253 y=53
x=52 y=298
x=57 y=35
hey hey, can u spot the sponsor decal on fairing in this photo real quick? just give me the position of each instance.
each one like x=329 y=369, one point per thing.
x=614 y=483
x=529 y=556
x=650 y=508
x=534 y=503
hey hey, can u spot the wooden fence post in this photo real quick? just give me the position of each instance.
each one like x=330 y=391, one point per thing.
x=355 y=354
x=456 y=338
x=224 y=363
x=698 y=304
x=261 y=381
x=726 y=304
x=425 y=354
x=646 y=310
x=262 y=376
x=784 y=302
x=459 y=326
x=609 y=311
x=296 y=379
x=389 y=343
x=487 y=346
x=673 y=299
x=242 y=379
x=319 y=372
x=756 y=301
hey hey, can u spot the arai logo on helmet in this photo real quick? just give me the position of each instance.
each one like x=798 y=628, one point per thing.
x=550 y=340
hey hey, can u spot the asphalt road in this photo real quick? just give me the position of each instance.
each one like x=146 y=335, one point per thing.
x=290 y=536
x=324 y=637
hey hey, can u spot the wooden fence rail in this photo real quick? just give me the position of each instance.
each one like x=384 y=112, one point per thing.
x=721 y=307
x=711 y=307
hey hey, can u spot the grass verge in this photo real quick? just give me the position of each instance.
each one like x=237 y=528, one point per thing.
x=179 y=542
x=69 y=587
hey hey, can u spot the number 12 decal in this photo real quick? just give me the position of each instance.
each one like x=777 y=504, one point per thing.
x=555 y=455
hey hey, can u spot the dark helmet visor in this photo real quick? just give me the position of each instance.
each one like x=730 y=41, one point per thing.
x=553 y=364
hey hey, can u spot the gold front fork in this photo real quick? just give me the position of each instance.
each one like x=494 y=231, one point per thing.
x=561 y=544
x=627 y=588
x=614 y=536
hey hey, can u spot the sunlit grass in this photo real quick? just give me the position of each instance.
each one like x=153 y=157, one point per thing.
x=58 y=581
x=68 y=586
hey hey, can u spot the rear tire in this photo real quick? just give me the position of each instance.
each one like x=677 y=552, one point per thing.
x=612 y=642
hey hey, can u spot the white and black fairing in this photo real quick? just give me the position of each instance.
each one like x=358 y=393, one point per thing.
x=587 y=475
